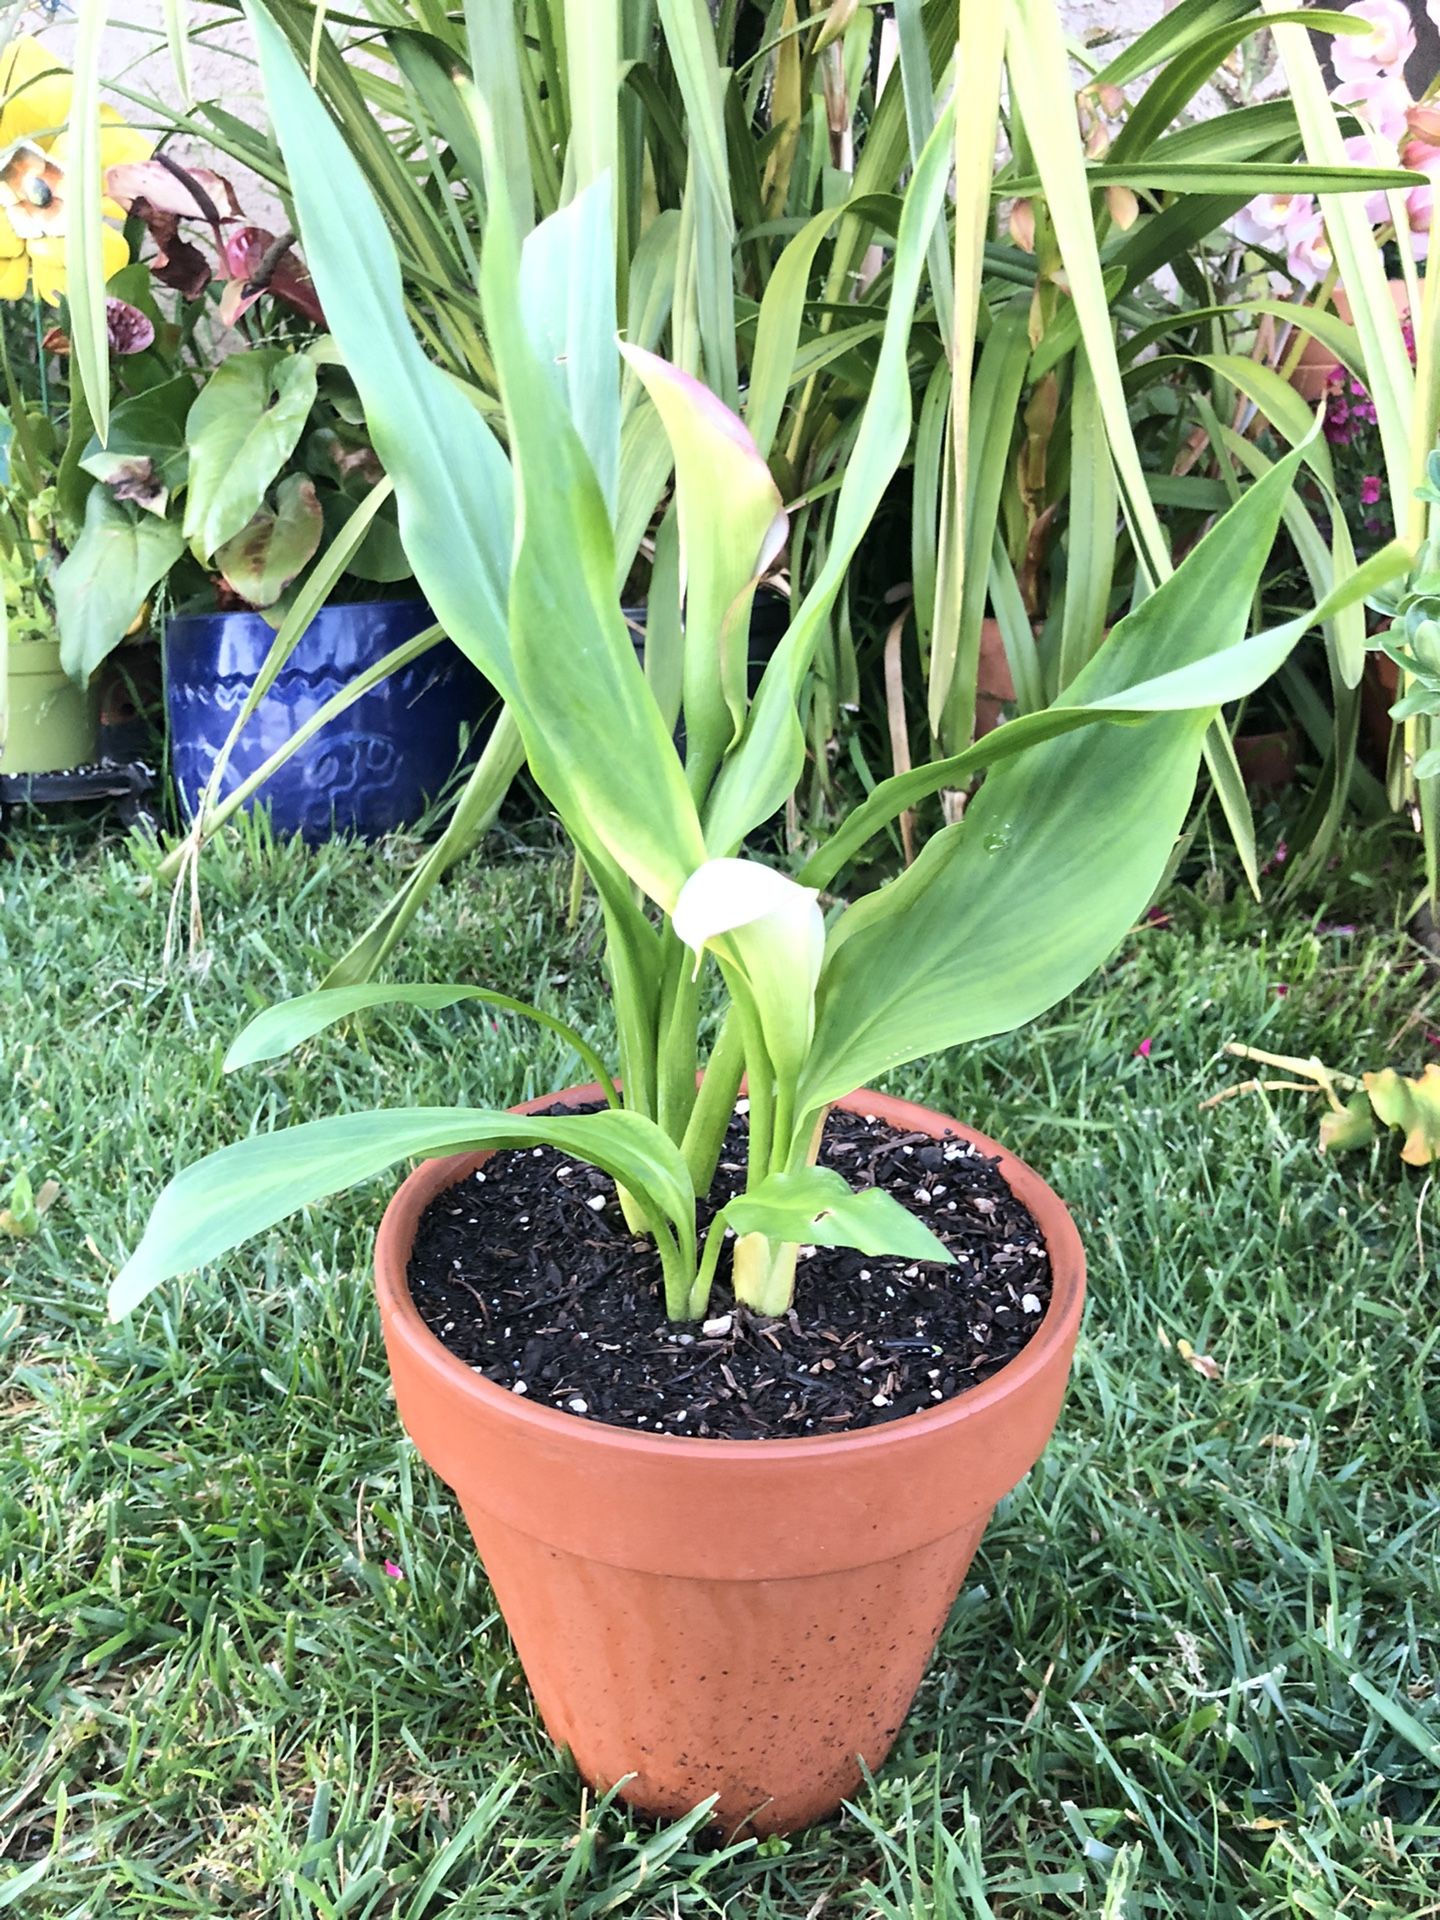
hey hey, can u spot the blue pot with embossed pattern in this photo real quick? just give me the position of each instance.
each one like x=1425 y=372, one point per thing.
x=372 y=768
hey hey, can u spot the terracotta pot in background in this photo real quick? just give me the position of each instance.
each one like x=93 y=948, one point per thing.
x=994 y=683
x=1316 y=363
x=1267 y=761
x=748 y=1619
x=1379 y=690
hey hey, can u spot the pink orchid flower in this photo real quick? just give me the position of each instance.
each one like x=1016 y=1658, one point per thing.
x=1373 y=150
x=1381 y=100
x=1384 y=49
x=1421 y=155
x=1308 y=256
x=1264 y=221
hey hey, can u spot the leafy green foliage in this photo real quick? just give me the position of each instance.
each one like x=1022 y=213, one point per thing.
x=1061 y=849
x=1068 y=837
x=242 y=428
x=149 y=426
x=230 y=1196
x=816 y=1205
x=104 y=581
x=262 y=559
x=281 y=1028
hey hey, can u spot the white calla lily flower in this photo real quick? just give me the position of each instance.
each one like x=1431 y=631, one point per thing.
x=725 y=895
x=772 y=930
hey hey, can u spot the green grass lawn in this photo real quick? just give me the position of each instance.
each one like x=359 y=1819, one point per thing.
x=1194 y=1671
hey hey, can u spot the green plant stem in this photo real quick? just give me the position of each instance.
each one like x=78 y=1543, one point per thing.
x=782 y=1143
x=19 y=419
x=41 y=367
x=714 y=1104
x=679 y=1275
x=760 y=1088
x=764 y=1272
x=70 y=488
x=676 y=1033
x=709 y=1261
x=806 y=1138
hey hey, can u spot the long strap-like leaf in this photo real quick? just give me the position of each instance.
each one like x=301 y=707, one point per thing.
x=84 y=246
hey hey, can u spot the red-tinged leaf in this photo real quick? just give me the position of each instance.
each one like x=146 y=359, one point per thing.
x=262 y=560
x=245 y=254
x=176 y=263
x=190 y=193
x=722 y=555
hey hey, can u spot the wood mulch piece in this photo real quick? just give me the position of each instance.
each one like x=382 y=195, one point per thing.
x=527 y=1273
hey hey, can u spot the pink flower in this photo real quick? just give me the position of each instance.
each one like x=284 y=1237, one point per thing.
x=1372 y=150
x=1421 y=157
x=1264 y=221
x=1281 y=991
x=1381 y=100
x=1142 y=1052
x=1157 y=917
x=1370 y=490
x=1277 y=858
x=1384 y=49
x=1308 y=258
x=128 y=330
x=392 y=1572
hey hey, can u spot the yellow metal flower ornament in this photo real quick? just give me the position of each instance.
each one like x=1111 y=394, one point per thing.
x=35 y=95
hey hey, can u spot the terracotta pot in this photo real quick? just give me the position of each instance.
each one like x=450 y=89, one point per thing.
x=1316 y=363
x=1379 y=690
x=994 y=683
x=748 y=1619
x=1267 y=760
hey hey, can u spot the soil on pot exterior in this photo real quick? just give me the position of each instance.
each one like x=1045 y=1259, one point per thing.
x=527 y=1273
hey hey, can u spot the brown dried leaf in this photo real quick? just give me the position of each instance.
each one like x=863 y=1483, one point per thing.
x=1201 y=1362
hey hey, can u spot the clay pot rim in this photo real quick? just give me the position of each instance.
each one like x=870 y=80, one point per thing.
x=1058 y=1326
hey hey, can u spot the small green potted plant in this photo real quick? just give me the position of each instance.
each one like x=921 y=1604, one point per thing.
x=50 y=724
x=52 y=706
x=724 y=1521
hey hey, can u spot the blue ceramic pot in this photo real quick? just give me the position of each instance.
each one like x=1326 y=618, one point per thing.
x=373 y=767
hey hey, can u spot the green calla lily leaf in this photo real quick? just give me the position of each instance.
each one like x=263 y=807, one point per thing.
x=817 y=1207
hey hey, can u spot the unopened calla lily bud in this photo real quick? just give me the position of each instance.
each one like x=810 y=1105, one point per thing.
x=771 y=929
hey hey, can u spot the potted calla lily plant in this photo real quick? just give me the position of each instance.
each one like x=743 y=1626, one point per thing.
x=750 y=1356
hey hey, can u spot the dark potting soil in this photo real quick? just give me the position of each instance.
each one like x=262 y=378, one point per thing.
x=527 y=1273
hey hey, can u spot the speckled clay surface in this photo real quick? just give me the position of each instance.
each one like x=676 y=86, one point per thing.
x=744 y=1618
